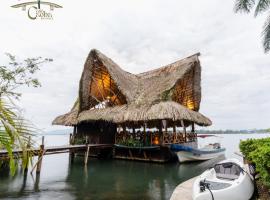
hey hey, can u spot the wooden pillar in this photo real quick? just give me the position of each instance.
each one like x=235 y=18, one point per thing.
x=193 y=127
x=194 y=135
x=86 y=139
x=133 y=132
x=174 y=133
x=184 y=129
x=144 y=133
x=71 y=142
x=161 y=132
x=40 y=156
x=27 y=154
x=86 y=155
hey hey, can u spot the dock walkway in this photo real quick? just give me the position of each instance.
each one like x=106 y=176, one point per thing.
x=54 y=149
x=184 y=190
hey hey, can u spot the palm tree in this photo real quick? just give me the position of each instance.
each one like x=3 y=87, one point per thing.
x=261 y=6
x=15 y=131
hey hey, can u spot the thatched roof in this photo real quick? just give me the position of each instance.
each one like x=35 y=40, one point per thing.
x=170 y=92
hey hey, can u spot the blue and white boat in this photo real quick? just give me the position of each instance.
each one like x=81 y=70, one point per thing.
x=188 y=153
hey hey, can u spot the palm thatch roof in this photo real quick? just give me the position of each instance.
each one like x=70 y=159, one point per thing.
x=171 y=92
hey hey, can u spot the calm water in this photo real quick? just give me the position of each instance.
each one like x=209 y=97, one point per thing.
x=107 y=179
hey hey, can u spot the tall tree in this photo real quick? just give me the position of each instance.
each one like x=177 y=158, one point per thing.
x=260 y=6
x=14 y=129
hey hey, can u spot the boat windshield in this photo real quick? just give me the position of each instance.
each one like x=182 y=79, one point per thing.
x=228 y=170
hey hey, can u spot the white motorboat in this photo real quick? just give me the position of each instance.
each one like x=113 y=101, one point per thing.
x=187 y=153
x=227 y=180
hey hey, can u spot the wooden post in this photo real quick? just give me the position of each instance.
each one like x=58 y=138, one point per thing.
x=86 y=139
x=193 y=127
x=184 y=128
x=194 y=136
x=86 y=155
x=174 y=133
x=144 y=133
x=71 y=142
x=161 y=132
x=27 y=154
x=133 y=132
x=40 y=156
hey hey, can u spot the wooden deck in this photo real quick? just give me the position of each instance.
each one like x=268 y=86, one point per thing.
x=55 y=149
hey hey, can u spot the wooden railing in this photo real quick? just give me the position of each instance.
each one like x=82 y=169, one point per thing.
x=154 y=138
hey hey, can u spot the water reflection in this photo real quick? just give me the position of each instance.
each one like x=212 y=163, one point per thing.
x=104 y=179
x=107 y=179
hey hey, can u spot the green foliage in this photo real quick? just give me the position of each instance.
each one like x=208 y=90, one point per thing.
x=17 y=74
x=258 y=152
x=131 y=142
x=261 y=7
x=15 y=131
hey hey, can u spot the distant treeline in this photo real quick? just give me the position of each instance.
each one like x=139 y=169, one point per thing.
x=259 y=131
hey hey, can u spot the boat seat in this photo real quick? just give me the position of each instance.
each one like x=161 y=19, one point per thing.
x=229 y=171
x=217 y=185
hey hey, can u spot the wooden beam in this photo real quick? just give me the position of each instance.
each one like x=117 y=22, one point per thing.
x=95 y=81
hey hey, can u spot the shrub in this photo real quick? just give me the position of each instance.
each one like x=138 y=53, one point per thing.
x=257 y=151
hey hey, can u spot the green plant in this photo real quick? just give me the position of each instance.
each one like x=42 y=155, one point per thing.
x=257 y=151
x=15 y=131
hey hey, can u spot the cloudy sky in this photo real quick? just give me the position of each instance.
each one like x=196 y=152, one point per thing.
x=141 y=35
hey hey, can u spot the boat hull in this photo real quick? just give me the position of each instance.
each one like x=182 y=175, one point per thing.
x=185 y=156
x=241 y=188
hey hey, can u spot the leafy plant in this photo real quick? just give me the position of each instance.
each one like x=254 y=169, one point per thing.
x=258 y=152
x=15 y=131
x=261 y=6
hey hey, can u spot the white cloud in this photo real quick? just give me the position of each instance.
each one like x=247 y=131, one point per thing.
x=141 y=35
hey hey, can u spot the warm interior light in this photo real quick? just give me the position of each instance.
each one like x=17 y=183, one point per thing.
x=156 y=140
x=190 y=104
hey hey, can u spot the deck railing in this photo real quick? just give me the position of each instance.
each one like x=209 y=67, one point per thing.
x=155 y=138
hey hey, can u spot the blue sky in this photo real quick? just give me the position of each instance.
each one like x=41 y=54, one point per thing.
x=141 y=35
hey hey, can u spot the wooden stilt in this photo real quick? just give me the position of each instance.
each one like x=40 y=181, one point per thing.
x=184 y=128
x=130 y=154
x=86 y=155
x=144 y=133
x=71 y=142
x=174 y=133
x=161 y=133
x=41 y=153
x=144 y=154
x=27 y=155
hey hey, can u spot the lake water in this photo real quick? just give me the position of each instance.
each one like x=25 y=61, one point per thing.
x=107 y=179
